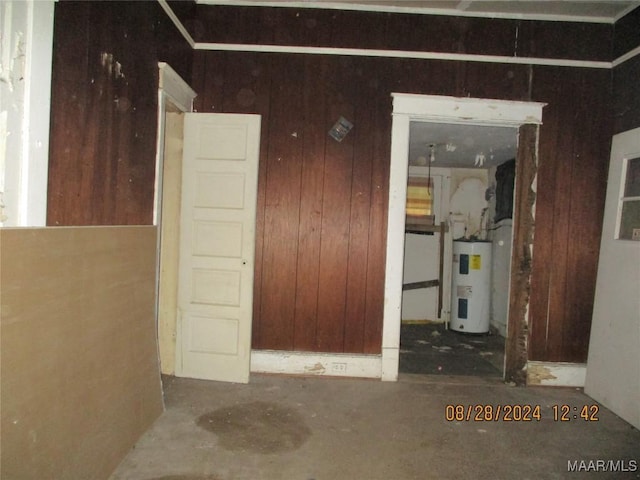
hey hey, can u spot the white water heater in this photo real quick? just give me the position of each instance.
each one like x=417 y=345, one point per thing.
x=471 y=286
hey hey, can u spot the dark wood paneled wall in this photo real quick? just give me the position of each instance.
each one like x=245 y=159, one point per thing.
x=322 y=207
x=104 y=109
x=626 y=88
x=626 y=103
x=626 y=35
x=574 y=149
x=321 y=203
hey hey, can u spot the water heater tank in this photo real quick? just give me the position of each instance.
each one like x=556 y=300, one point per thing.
x=471 y=286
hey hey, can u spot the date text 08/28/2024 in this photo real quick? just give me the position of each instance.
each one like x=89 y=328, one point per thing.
x=518 y=413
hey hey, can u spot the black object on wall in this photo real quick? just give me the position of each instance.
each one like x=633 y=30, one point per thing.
x=505 y=177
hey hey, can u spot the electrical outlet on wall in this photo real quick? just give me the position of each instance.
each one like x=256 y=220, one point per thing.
x=635 y=235
x=339 y=367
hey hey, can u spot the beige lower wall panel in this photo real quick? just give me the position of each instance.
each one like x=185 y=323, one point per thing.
x=80 y=379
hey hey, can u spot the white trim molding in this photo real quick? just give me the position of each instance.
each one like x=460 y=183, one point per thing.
x=472 y=111
x=316 y=364
x=171 y=87
x=627 y=56
x=556 y=374
x=172 y=84
x=366 y=52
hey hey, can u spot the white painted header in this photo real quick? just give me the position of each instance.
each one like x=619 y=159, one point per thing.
x=175 y=87
x=467 y=110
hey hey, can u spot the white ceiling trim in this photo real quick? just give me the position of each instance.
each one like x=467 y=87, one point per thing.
x=414 y=10
x=362 y=52
x=627 y=56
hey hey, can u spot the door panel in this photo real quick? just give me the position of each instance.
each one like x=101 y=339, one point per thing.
x=613 y=366
x=217 y=243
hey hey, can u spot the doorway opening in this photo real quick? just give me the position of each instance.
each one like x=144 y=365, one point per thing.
x=523 y=117
x=459 y=198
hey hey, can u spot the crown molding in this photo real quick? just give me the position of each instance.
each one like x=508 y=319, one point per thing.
x=363 y=52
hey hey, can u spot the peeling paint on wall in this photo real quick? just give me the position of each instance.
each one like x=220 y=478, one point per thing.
x=467 y=201
x=519 y=305
x=12 y=64
x=537 y=374
x=12 y=57
x=113 y=67
x=26 y=38
x=317 y=369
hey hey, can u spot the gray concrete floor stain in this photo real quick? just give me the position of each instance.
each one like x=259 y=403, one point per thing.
x=257 y=427
x=351 y=429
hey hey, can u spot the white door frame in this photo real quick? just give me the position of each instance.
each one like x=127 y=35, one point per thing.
x=173 y=91
x=437 y=109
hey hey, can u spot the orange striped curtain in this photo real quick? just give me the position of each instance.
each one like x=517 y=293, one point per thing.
x=419 y=202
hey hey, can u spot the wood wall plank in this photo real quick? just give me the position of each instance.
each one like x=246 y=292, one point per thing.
x=377 y=235
x=499 y=81
x=282 y=205
x=575 y=40
x=359 y=222
x=313 y=135
x=586 y=207
x=261 y=105
x=336 y=213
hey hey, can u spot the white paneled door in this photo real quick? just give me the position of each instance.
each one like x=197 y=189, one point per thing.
x=217 y=239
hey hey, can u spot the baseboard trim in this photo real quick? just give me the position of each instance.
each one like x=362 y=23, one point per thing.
x=556 y=374
x=316 y=364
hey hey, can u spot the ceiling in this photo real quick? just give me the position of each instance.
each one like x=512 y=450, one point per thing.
x=461 y=146
x=568 y=10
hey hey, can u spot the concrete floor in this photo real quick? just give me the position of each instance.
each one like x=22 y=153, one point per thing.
x=432 y=349
x=291 y=428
